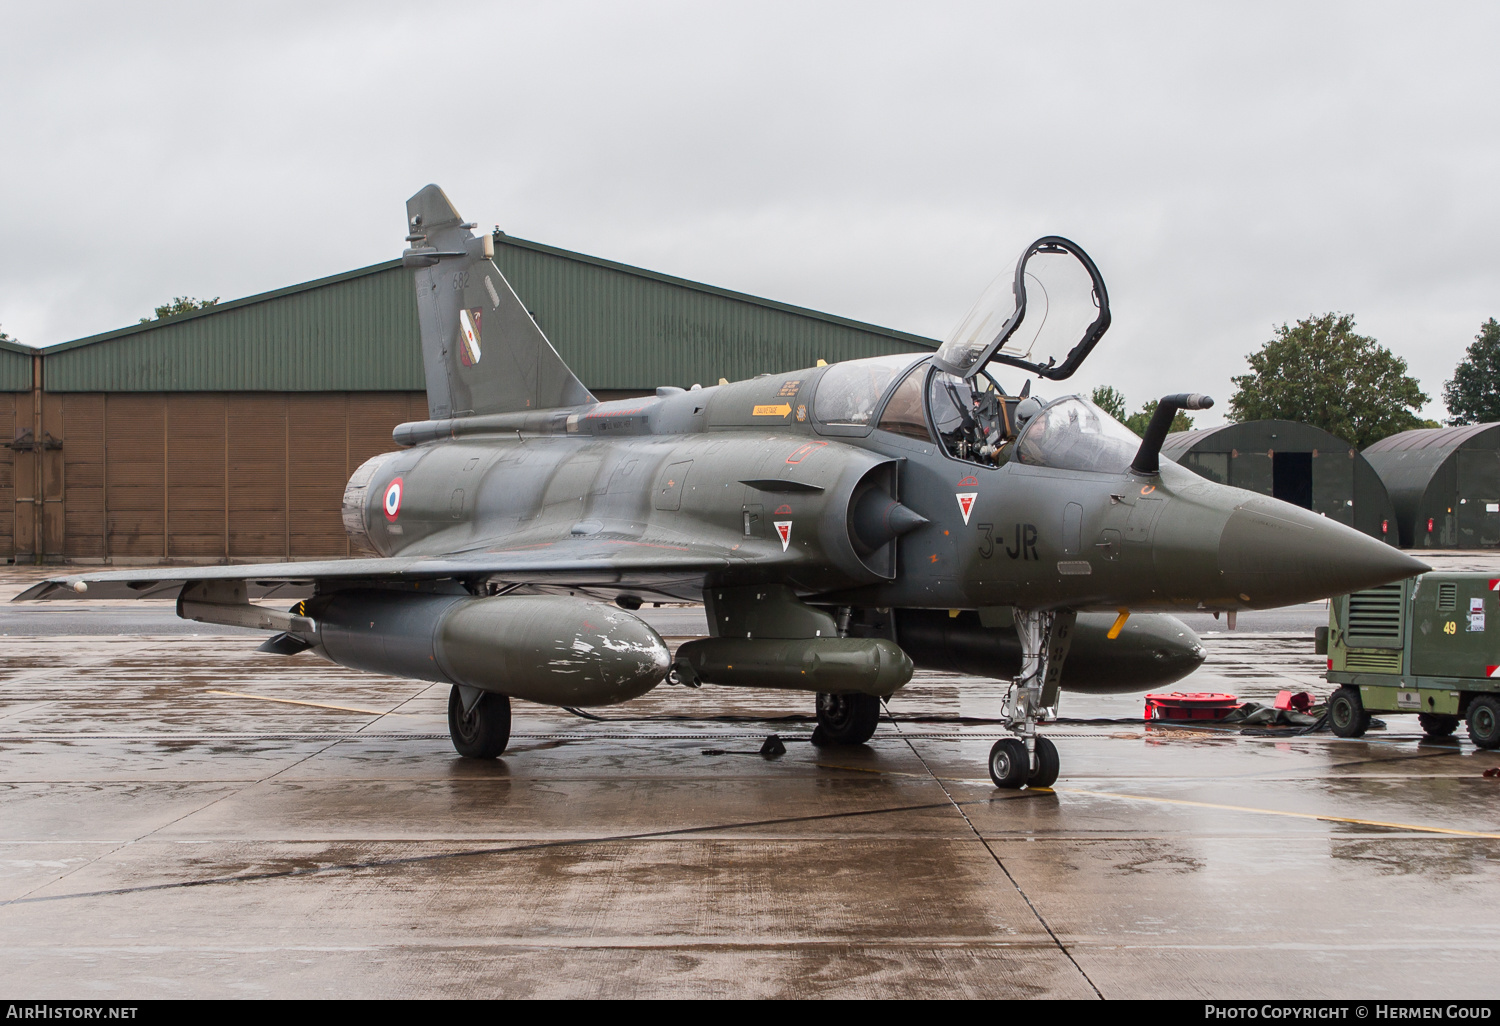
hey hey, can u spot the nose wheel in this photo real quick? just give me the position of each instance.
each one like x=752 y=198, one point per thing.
x=1012 y=767
x=1029 y=760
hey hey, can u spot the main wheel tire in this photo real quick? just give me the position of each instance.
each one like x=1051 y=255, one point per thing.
x=485 y=731
x=1047 y=765
x=845 y=719
x=1009 y=766
x=1437 y=724
x=1484 y=721
x=1346 y=713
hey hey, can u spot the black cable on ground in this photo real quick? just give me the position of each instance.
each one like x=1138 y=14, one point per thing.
x=977 y=721
x=969 y=721
x=1321 y=724
x=726 y=718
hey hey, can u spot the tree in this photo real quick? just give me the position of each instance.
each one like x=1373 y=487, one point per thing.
x=1473 y=396
x=1112 y=401
x=1137 y=421
x=1320 y=372
x=180 y=305
x=5 y=336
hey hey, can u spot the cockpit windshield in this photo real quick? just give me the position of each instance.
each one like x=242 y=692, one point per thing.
x=849 y=392
x=1074 y=434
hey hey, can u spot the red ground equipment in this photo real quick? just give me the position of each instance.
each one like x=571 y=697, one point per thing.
x=1195 y=705
x=1298 y=701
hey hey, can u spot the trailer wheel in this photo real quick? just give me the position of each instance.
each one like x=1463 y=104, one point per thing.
x=1346 y=713
x=1484 y=721
x=1437 y=724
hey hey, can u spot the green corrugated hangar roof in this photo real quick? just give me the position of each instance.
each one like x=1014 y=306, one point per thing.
x=619 y=327
x=15 y=366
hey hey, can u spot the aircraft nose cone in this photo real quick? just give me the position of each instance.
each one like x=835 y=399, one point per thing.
x=1272 y=553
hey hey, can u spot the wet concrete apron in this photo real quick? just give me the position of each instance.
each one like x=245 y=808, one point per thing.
x=181 y=816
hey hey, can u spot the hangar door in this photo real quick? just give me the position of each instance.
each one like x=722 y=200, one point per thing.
x=203 y=476
x=8 y=402
x=1478 y=509
x=33 y=477
x=1319 y=480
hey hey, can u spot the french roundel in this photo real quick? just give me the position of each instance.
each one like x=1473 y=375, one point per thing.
x=393 y=499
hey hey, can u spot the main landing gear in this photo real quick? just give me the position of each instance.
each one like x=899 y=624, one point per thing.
x=1029 y=760
x=845 y=719
x=478 y=722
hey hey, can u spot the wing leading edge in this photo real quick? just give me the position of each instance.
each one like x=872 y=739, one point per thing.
x=649 y=566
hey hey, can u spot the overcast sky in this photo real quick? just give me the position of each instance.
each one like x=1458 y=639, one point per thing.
x=1229 y=167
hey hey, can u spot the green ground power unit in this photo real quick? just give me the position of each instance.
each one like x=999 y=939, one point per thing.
x=1423 y=646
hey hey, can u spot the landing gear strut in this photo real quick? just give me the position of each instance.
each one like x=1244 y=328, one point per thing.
x=478 y=722
x=1028 y=759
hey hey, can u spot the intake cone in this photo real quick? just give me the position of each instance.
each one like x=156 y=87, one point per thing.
x=878 y=518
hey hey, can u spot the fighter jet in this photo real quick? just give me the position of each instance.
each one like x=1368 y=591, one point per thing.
x=842 y=524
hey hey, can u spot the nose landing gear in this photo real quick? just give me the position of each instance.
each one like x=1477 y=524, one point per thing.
x=1029 y=760
x=1009 y=764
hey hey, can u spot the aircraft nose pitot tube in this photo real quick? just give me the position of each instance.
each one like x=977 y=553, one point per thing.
x=551 y=649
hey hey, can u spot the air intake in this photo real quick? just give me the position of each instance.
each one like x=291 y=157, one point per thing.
x=1372 y=662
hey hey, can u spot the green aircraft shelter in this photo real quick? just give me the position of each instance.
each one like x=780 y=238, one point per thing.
x=1297 y=463
x=1445 y=484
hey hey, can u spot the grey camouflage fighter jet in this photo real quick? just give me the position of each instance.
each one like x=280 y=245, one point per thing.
x=842 y=524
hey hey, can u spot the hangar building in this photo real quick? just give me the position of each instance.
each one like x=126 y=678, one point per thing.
x=1298 y=463
x=1445 y=483
x=229 y=432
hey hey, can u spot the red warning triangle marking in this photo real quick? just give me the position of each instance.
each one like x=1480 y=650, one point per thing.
x=966 y=503
x=784 y=529
x=1492 y=671
x=1495 y=584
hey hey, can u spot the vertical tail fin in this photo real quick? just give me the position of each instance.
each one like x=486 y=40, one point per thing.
x=482 y=351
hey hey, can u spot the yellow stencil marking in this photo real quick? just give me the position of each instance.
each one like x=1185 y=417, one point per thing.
x=293 y=701
x=1279 y=812
x=1118 y=625
x=780 y=410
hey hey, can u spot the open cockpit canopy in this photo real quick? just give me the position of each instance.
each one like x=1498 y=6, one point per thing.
x=1045 y=317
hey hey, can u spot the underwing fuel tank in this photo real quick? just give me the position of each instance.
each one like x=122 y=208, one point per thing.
x=551 y=649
